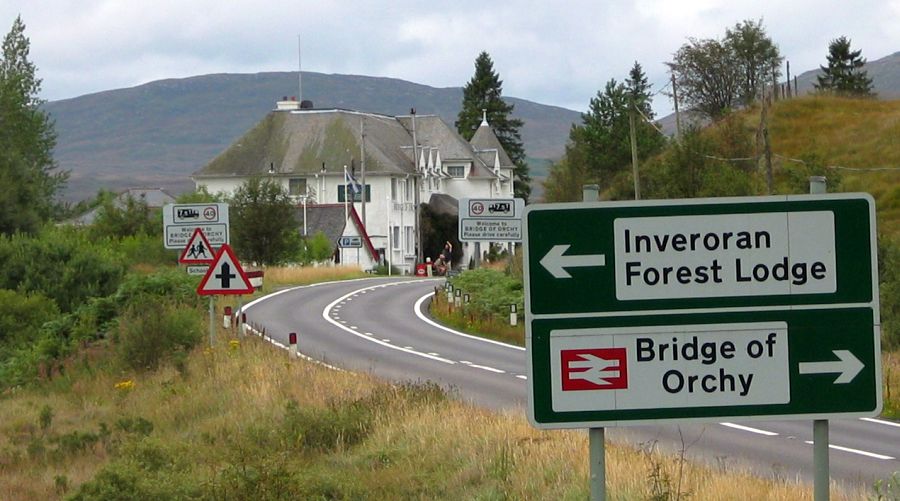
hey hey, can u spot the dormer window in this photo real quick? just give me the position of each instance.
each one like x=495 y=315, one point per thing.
x=457 y=171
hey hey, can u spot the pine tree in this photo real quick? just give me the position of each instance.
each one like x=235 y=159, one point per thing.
x=28 y=184
x=844 y=75
x=483 y=92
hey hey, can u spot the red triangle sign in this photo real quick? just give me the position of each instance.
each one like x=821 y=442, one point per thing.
x=225 y=276
x=197 y=250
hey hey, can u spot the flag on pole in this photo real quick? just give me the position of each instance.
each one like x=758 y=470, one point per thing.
x=353 y=186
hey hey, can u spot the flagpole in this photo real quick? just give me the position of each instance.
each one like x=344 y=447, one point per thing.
x=346 y=211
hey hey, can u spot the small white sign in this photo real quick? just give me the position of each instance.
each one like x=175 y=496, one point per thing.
x=491 y=219
x=180 y=221
x=197 y=269
x=669 y=366
x=725 y=255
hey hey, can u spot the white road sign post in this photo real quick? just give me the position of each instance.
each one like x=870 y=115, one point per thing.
x=491 y=219
x=180 y=221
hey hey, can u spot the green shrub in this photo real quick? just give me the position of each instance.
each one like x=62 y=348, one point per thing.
x=169 y=284
x=151 y=333
x=491 y=291
x=62 y=264
x=22 y=315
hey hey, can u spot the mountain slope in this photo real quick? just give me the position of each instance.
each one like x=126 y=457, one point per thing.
x=156 y=134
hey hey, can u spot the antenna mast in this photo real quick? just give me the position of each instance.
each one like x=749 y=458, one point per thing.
x=299 y=73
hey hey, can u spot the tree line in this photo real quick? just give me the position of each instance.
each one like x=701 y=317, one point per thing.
x=711 y=78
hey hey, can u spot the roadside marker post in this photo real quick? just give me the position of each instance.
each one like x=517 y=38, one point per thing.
x=698 y=310
x=293 y=348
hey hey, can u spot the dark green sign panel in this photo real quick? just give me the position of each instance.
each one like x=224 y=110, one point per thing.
x=589 y=230
x=640 y=312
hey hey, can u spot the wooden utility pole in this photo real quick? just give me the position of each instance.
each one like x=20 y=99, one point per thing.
x=677 y=116
x=788 y=79
x=767 y=147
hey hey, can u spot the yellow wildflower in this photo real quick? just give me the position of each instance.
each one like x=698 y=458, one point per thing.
x=126 y=385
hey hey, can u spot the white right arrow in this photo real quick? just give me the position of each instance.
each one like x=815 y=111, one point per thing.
x=848 y=365
x=555 y=262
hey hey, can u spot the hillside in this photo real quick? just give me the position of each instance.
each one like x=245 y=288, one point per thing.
x=884 y=72
x=858 y=140
x=156 y=134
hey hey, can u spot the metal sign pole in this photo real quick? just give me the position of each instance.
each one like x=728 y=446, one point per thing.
x=817 y=185
x=596 y=436
x=820 y=460
x=212 y=320
x=597 y=448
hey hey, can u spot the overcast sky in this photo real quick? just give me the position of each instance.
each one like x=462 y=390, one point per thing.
x=557 y=53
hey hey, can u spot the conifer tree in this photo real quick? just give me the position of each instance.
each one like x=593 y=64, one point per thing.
x=844 y=74
x=483 y=92
x=28 y=183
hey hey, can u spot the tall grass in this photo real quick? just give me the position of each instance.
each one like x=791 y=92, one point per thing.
x=242 y=421
x=851 y=133
x=276 y=277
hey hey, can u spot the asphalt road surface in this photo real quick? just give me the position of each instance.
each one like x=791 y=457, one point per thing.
x=381 y=326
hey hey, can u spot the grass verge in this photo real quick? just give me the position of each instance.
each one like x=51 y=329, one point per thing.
x=242 y=421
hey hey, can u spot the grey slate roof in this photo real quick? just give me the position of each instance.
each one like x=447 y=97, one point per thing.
x=329 y=219
x=300 y=142
x=155 y=198
x=485 y=140
x=444 y=204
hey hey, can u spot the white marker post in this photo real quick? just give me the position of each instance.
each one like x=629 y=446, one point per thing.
x=293 y=350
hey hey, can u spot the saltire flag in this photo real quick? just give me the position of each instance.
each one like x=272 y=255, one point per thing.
x=353 y=185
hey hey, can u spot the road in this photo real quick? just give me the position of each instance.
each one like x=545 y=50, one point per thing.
x=379 y=326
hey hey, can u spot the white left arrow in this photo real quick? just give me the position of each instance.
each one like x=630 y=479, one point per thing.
x=556 y=263
x=848 y=366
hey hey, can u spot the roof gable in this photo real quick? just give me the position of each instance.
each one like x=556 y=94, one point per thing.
x=485 y=140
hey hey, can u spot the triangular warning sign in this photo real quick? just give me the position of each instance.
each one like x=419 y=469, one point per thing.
x=225 y=276
x=197 y=250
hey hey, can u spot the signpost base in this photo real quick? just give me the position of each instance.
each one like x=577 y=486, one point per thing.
x=212 y=320
x=597 y=453
x=820 y=460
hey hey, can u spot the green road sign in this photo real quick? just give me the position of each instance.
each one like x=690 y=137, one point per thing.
x=702 y=309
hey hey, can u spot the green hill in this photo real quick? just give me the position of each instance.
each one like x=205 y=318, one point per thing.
x=858 y=140
x=158 y=133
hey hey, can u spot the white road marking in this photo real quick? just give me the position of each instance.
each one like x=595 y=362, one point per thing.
x=880 y=421
x=386 y=340
x=489 y=369
x=354 y=327
x=855 y=451
x=418 y=311
x=521 y=376
x=433 y=353
x=465 y=362
x=751 y=430
x=408 y=347
x=325 y=315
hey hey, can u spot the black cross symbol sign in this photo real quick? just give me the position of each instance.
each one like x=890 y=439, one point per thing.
x=226 y=275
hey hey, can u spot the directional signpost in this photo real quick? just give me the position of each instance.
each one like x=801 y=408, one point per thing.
x=642 y=312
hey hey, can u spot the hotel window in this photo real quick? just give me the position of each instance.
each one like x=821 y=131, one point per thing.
x=357 y=197
x=456 y=170
x=396 y=237
x=297 y=186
